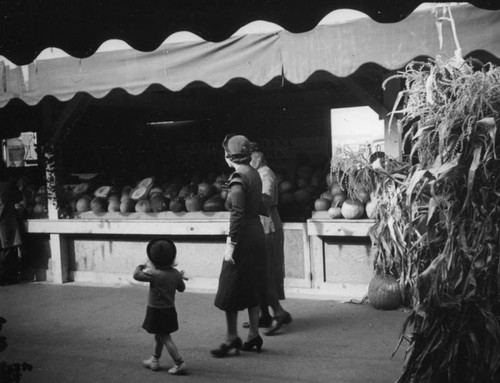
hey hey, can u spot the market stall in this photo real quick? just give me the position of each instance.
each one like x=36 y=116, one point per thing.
x=245 y=74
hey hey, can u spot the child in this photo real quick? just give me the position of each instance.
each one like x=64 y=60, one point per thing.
x=161 y=316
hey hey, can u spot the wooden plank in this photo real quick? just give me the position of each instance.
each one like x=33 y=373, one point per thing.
x=128 y=227
x=339 y=227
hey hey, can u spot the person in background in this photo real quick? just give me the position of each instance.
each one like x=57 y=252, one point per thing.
x=161 y=315
x=273 y=229
x=242 y=279
x=10 y=229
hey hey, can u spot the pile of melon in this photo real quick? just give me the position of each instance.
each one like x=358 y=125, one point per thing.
x=148 y=197
x=339 y=203
x=299 y=189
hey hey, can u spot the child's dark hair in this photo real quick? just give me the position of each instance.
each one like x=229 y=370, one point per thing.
x=161 y=252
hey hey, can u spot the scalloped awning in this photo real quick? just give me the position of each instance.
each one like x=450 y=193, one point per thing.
x=339 y=48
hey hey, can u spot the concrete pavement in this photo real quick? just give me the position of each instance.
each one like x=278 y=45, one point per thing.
x=75 y=333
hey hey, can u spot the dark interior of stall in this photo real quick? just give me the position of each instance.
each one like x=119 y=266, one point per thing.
x=120 y=139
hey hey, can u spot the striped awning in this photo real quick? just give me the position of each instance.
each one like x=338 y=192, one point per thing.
x=338 y=48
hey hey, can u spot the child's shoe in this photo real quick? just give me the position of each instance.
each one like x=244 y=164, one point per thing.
x=178 y=369
x=152 y=363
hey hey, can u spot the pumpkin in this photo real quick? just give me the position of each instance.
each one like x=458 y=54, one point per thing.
x=322 y=204
x=384 y=292
x=352 y=209
x=327 y=195
x=338 y=199
x=371 y=209
x=335 y=212
x=336 y=188
x=362 y=195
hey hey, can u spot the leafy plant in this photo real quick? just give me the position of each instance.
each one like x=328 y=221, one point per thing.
x=452 y=198
x=10 y=373
x=385 y=181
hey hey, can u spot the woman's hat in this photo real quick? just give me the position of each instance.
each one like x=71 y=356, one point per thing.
x=237 y=148
x=161 y=251
x=236 y=145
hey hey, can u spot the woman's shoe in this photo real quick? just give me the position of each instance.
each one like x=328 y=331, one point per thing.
x=225 y=348
x=278 y=322
x=256 y=343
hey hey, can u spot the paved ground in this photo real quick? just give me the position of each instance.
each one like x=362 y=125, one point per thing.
x=74 y=333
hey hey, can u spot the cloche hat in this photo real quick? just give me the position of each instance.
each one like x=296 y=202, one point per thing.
x=237 y=148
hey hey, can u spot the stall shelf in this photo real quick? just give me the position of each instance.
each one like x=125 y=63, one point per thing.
x=106 y=248
x=341 y=260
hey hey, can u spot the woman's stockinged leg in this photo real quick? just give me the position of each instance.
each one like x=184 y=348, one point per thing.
x=231 y=323
x=253 y=319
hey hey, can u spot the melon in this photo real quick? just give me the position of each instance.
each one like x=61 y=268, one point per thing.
x=99 y=205
x=335 y=212
x=127 y=205
x=83 y=204
x=158 y=203
x=139 y=193
x=206 y=190
x=146 y=182
x=126 y=190
x=218 y=186
x=302 y=183
x=316 y=179
x=352 y=209
x=214 y=203
x=305 y=172
x=80 y=189
x=223 y=178
x=142 y=206
x=303 y=197
x=187 y=190
x=114 y=197
x=286 y=199
x=177 y=204
x=103 y=191
x=224 y=193
x=171 y=191
x=194 y=203
x=322 y=204
x=286 y=187
x=114 y=205
x=155 y=190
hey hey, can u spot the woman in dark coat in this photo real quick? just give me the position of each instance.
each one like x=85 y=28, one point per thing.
x=10 y=234
x=242 y=281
